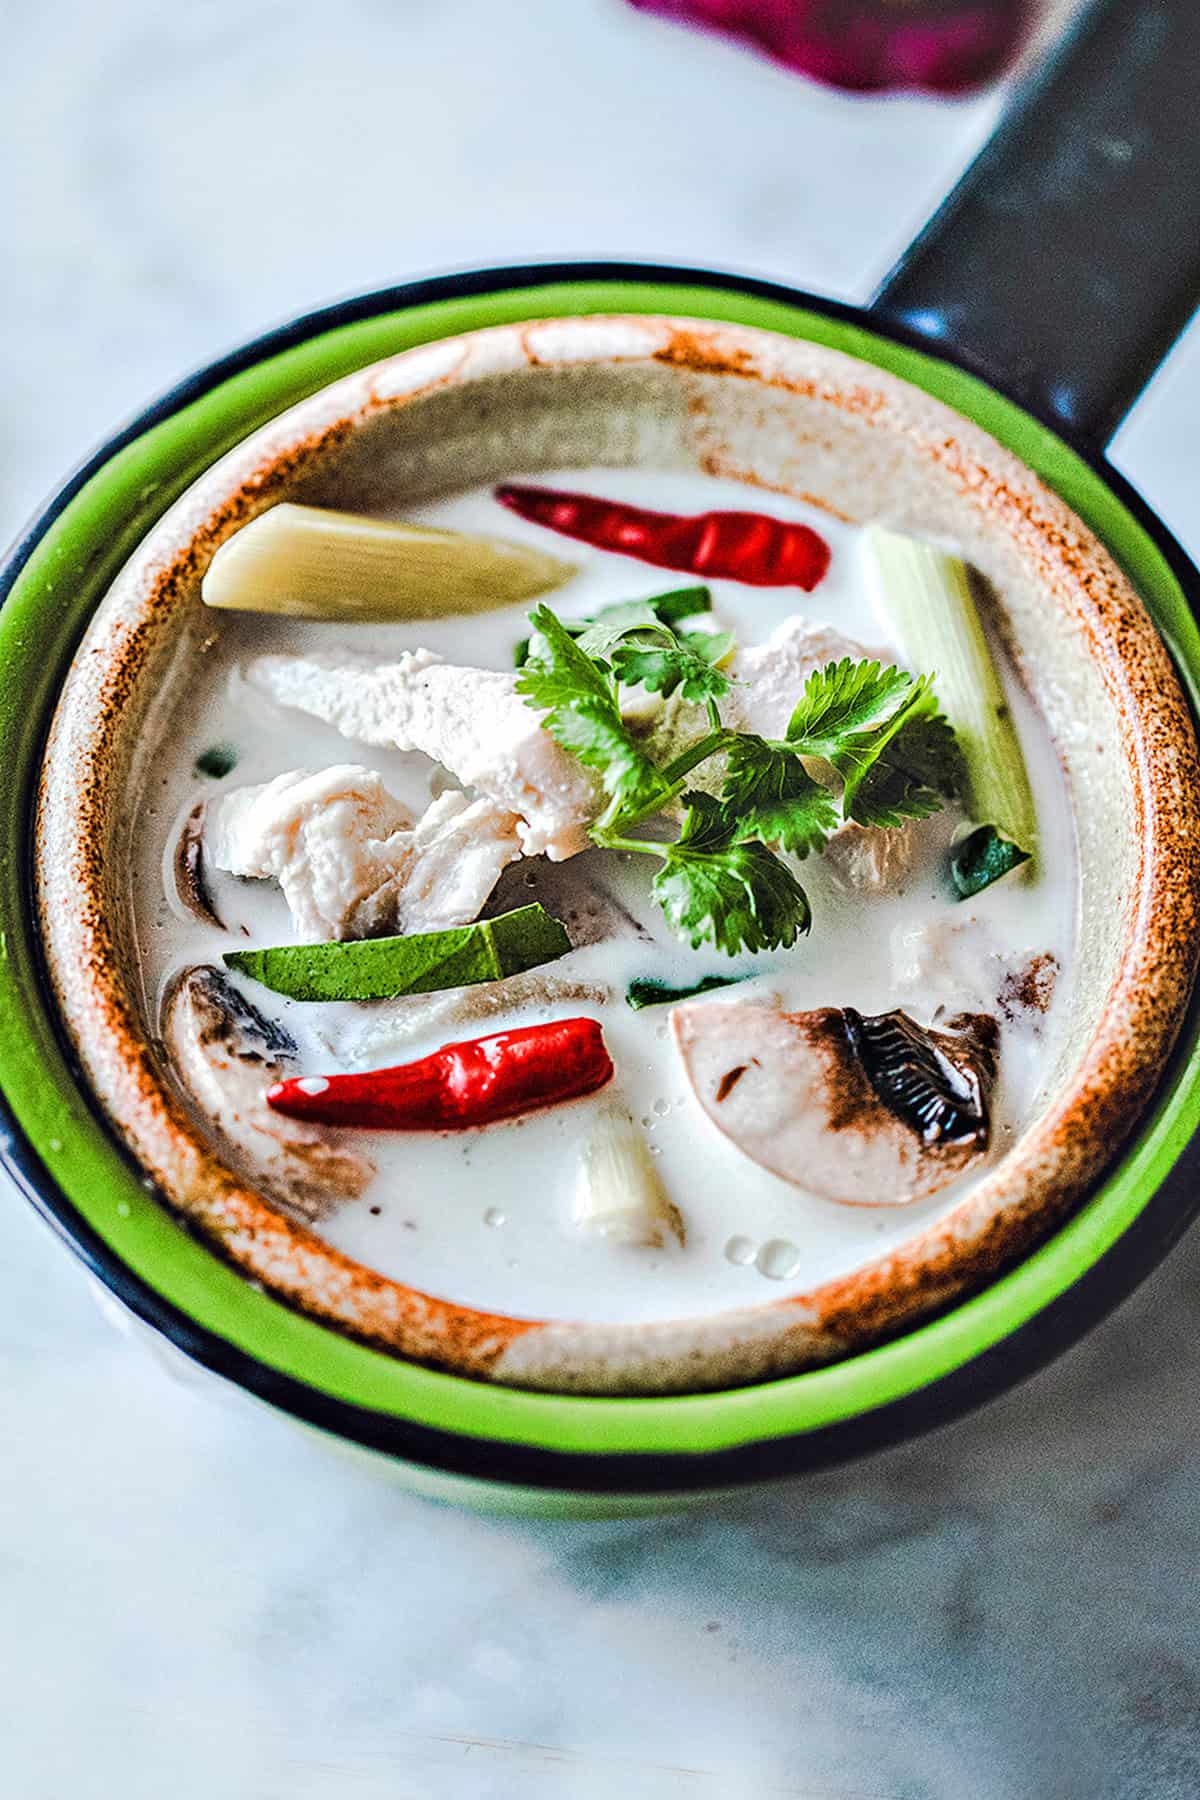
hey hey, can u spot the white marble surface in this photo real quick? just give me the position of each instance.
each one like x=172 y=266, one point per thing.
x=196 y=1599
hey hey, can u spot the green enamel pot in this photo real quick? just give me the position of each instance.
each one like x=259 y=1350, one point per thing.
x=446 y=1435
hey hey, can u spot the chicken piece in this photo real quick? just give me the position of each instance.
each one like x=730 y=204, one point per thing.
x=459 y=847
x=947 y=961
x=868 y=859
x=348 y=857
x=769 y=678
x=866 y=1111
x=227 y=1055
x=472 y=721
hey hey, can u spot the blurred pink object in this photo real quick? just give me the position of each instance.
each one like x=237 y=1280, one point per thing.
x=943 y=46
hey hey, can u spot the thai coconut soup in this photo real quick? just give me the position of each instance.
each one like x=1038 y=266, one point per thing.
x=614 y=896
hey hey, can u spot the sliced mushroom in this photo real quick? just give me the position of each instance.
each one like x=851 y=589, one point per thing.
x=869 y=1111
x=227 y=1056
x=191 y=881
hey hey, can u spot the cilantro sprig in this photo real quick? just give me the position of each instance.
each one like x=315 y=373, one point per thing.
x=665 y=609
x=579 y=695
x=864 y=743
x=645 y=650
x=734 y=896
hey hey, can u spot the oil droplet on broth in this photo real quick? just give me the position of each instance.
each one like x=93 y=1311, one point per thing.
x=778 y=1259
x=494 y=1216
x=741 y=1250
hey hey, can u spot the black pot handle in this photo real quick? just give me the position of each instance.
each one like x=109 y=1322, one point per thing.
x=1067 y=260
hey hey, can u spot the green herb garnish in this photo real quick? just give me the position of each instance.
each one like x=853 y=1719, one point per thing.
x=665 y=609
x=983 y=858
x=579 y=695
x=774 y=798
x=734 y=896
x=645 y=650
x=865 y=743
x=216 y=761
x=382 y=968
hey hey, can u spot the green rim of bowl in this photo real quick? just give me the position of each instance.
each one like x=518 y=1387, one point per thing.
x=68 y=572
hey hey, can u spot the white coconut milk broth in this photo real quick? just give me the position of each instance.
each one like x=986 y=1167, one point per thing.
x=484 y=1217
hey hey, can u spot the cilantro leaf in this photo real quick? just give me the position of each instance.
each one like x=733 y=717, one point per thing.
x=732 y=896
x=840 y=698
x=706 y=824
x=903 y=768
x=772 y=797
x=882 y=732
x=662 y=664
x=559 y=671
x=606 y=632
x=645 y=650
x=664 y=609
x=579 y=697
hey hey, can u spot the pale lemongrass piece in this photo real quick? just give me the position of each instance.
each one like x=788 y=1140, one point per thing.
x=311 y=563
x=619 y=1194
x=928 y=596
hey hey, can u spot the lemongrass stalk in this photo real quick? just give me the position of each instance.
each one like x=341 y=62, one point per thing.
x=619 y=1194
x=928 y=596
x=311 y=563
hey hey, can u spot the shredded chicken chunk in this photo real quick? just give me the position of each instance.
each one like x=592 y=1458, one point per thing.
x=769 y=678
x=472 y=721
x=868 y=859
x=349 y=859
x=961 y=962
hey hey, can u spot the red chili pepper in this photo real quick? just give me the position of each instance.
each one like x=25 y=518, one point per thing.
x=741 y=546
x=471 y=1083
